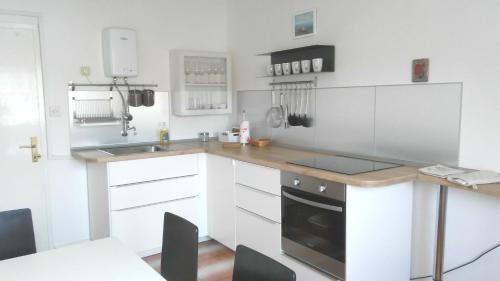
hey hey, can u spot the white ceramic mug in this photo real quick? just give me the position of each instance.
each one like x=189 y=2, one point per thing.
x=317 y=64
x=270 y=70
x=277 y=69
x=306 y=66
x=296 y=67
x=287 y=70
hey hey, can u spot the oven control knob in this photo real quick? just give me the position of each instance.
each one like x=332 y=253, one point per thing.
x=322 y=188
x=296 y=182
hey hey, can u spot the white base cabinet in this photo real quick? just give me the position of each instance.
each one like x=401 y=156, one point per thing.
x=378 y=231
x=145 y=235
x=240 y=203
x=128 y=199
x=220 y=200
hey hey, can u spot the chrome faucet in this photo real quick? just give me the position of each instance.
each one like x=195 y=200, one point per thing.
x=126 y=116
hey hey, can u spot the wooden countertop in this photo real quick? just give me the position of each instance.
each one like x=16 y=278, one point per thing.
x=277 y=157
x=97 y=156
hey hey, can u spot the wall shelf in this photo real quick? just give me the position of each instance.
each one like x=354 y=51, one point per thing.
x=326 y=52
x=205 y=85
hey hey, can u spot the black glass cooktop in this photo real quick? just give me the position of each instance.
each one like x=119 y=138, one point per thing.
x=344 y=165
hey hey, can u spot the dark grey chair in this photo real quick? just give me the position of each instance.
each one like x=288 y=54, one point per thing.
x=16 y=234
x=250 y=265
x=179 y=254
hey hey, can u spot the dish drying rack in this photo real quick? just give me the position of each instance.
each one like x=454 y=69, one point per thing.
x=92 y=111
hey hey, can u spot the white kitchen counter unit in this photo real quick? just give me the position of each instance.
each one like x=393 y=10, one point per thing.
x=128 y=199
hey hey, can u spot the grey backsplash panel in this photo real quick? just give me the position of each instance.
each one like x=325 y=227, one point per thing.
x=255 y=104
x=419 y=123
x=345 y=119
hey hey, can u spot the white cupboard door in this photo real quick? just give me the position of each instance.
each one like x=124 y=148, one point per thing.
x=141 y=228
x=24 y=182
x=258 y=233
x=220 y=200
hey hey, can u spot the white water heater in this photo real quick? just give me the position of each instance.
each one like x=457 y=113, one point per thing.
x=119 y=46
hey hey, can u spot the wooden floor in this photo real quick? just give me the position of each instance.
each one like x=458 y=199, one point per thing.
x=215 y=262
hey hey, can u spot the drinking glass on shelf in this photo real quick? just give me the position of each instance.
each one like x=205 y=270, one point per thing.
x=223 y=72
x=197 y=73
x=189 y=72
x=206 y=72
x=212 y=73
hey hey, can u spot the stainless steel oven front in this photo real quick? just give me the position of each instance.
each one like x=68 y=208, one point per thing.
x=314 y=222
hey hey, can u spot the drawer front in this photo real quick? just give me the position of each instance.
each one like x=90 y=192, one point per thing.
x=141 y=229
x=134 y=195
x=258 y=233
x=259 y=202
x=259 y=177
x=133 y=171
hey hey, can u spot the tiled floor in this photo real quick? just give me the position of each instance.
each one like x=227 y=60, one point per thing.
x=215 y=262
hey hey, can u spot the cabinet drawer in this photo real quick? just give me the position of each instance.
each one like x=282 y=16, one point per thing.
x=259 y=202
x=126 y=172
x=141 y=229
x=258 y=233
x=134 y=195
x=259 y=177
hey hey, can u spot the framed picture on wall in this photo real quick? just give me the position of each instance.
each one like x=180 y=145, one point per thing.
x=304 y=23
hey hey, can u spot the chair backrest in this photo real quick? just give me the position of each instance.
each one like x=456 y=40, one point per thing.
x=16 y=234
x=250 y=265
x=179 y=255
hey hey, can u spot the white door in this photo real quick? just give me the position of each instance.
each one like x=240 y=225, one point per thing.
x=23 y=183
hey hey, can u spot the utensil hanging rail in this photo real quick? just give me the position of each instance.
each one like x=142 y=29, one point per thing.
x=313 y=82
x=73 y=85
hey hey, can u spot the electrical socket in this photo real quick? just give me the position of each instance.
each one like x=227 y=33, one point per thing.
x=85 y=71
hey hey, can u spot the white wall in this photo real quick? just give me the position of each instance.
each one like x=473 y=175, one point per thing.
x=70 y=38
x=375 y=42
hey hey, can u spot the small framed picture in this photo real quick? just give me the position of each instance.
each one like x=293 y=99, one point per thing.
x=304 y=23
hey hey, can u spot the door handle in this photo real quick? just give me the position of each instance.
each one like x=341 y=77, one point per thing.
x=312 y=203
x=35 y=156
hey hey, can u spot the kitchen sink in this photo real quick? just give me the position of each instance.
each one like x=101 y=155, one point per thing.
x=133 y=149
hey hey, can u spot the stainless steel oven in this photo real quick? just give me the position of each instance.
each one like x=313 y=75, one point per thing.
x=314 y=222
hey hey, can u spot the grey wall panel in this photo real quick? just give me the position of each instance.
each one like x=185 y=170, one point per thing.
x=345 y=119
x=255 y=104
x=419 y=122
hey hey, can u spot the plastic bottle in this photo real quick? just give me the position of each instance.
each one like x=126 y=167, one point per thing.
x=164 y=137
x=244 y=130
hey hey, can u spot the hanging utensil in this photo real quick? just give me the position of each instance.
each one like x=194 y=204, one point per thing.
x=291 y=117
x=307 y=120
x=286 y=109
x=300 y=116
x=294 y=118
x=274 y=116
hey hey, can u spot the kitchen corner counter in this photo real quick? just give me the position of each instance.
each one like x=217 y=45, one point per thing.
x=271 y=156
x=277 y=157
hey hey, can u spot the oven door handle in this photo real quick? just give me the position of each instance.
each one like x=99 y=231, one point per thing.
x=312 y=203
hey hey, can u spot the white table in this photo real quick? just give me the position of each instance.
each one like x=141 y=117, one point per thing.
x=100 y=260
